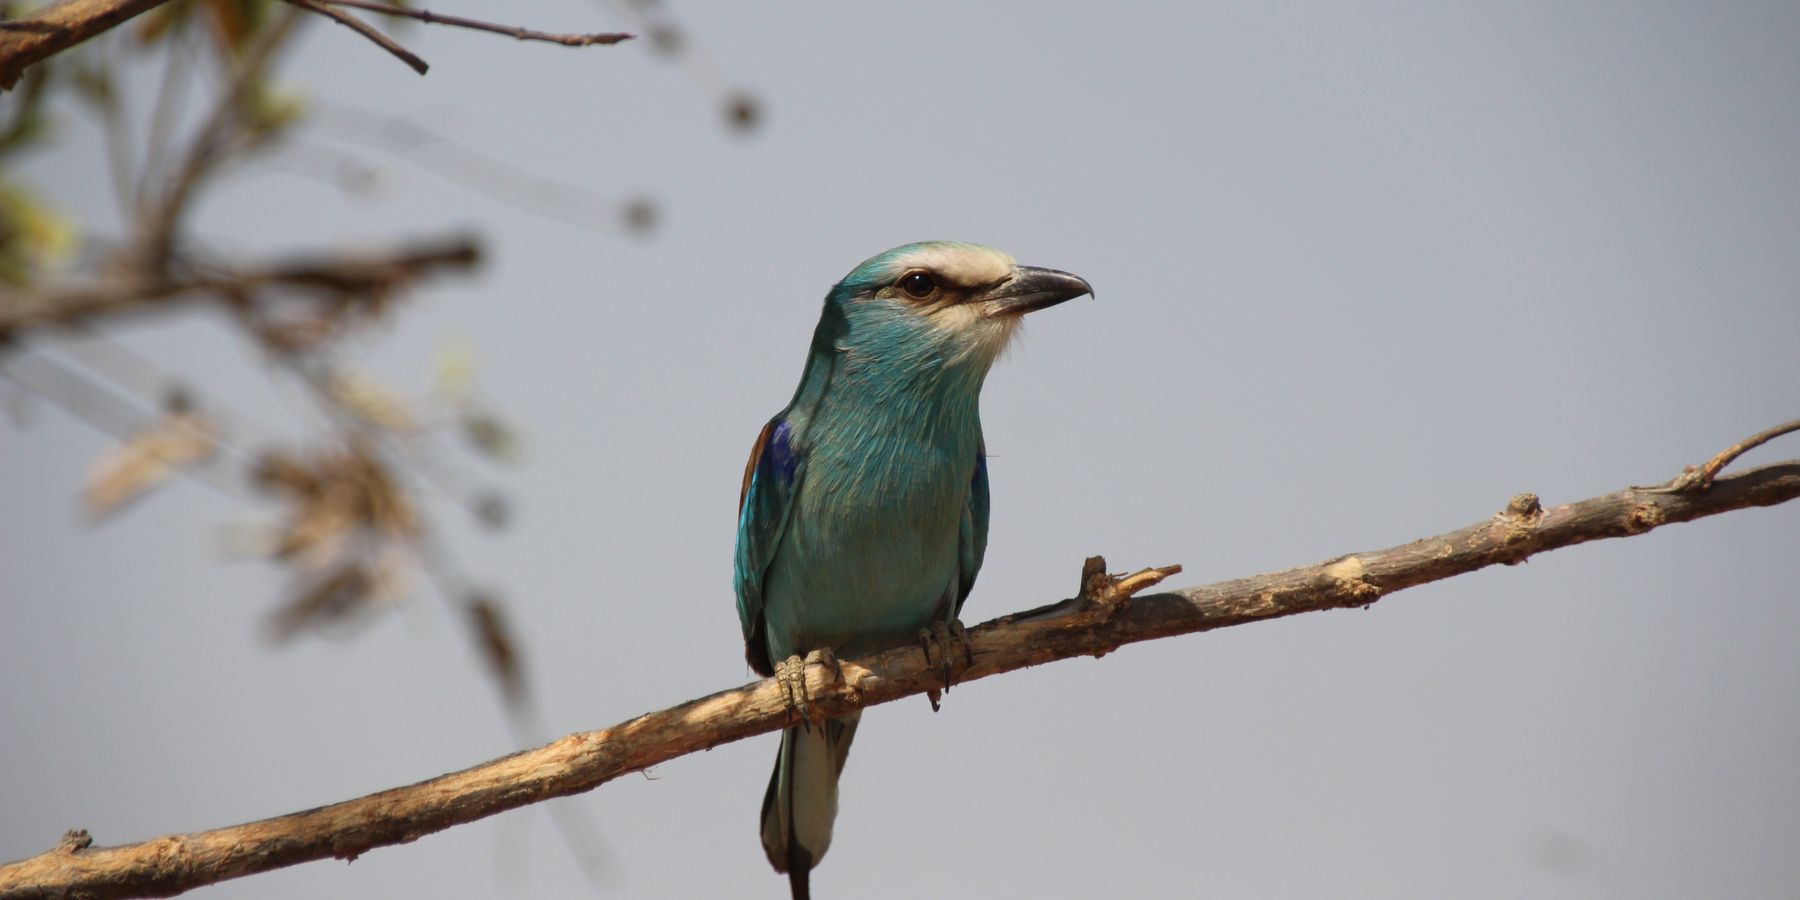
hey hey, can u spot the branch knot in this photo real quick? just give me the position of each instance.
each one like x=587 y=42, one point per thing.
x=1350 y=584
x=1107 y=593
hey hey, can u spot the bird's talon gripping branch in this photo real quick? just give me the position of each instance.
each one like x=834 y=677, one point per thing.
x=925 y=644
x=826 y=658
x=790 y=673
x=961 y=636
x=945 y=638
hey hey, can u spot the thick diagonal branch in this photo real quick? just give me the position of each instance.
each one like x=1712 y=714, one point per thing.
x=57 y=27
x=344 y=273
x=1103 y=618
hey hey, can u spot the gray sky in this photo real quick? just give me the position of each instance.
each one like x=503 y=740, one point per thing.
x=1363 y=274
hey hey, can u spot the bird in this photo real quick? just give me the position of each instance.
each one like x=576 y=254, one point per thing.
x=863 y=513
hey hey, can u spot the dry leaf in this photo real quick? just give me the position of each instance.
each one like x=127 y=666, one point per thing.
x=371 y=401
x=146 y=459
x=336 y=498
x=322 y=601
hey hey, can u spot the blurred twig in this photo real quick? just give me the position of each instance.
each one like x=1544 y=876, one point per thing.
x=340 y=275
x=742 y=109
x=485 y=173
x=222 y=131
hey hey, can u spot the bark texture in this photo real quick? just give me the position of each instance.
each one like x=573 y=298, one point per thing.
x=56 y=28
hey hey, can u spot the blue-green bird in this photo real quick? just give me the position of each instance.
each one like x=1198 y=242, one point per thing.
x=864 y=511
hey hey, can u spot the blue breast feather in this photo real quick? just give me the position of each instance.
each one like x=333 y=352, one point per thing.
x=772 y=479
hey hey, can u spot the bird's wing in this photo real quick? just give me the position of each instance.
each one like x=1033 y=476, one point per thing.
x=972 y=542
x=771 y=478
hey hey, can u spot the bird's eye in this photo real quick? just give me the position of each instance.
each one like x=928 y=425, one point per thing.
x=918 y=284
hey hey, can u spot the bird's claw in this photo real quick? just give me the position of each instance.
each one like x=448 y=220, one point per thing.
x=945 y=638
x=790 y=673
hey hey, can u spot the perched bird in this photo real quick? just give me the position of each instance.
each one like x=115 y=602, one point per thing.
x=864 y=509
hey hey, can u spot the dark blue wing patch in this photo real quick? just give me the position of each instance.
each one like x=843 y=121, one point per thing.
x=972 y=542
x=763 y=503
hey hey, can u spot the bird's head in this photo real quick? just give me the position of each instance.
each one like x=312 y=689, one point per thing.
x=939 y=302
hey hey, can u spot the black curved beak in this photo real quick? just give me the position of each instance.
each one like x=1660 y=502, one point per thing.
x=1029 y=289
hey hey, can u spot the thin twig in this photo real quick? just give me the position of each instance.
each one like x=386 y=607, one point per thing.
x=523 y=34
x=115 y=130
x=1712 y=467
x=1700 y=478
x=1096 y=623
x=366 y=30
x=171 y=100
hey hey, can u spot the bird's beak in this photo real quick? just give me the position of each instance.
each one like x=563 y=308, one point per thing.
x=1029 y=289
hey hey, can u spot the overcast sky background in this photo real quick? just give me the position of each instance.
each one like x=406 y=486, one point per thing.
x=1364 y=272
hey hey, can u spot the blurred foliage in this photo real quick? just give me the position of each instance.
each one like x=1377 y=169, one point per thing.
x=33 y=236
x=180 y=95
x=349 y=510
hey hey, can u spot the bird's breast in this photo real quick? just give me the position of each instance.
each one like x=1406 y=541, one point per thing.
x=871 y=547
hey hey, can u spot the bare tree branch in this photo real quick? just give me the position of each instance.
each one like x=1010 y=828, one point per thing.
x=58 y=27
x=343 y=274
x=366 y=30
x=64 y=24
x=523 y=34
x=1101 y=618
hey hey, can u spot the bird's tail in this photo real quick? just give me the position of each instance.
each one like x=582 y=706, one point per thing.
x=798 y=810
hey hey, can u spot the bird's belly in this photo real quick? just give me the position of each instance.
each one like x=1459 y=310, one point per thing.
x=859 y=580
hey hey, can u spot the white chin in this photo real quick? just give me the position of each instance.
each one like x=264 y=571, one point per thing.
x=975 y=332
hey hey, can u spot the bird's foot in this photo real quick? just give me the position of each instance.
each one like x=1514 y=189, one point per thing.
x=946 y=638
x=790 y=673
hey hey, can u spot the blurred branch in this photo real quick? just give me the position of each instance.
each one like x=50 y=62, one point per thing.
x=347 y=273
x=1107 y=613
x=743 y=111
x=220 y=132
x=57 y=27
x=484 y=173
